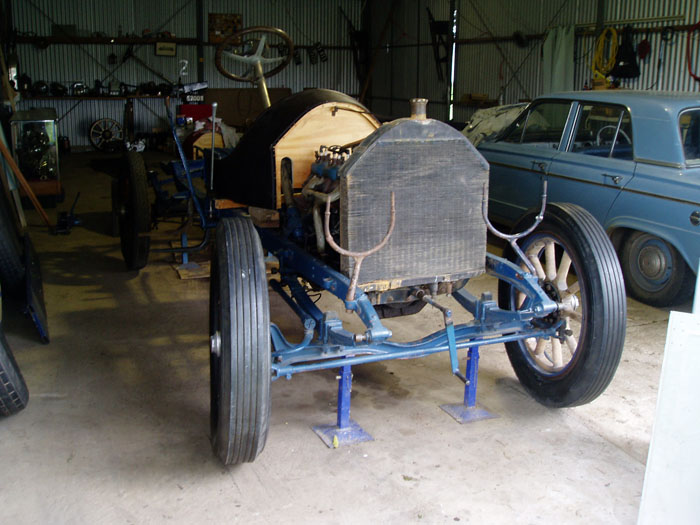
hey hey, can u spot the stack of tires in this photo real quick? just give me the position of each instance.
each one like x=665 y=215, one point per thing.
x=13 y=390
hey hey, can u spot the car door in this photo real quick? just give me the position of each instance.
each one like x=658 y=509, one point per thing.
x=598 y=161
x=521 y=158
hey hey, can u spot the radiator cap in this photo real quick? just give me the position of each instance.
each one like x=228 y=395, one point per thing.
x=419 y=108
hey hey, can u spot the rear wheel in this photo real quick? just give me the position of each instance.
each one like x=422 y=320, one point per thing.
x=655 y=273
x=134 y=212
x=240 y=353
x=576 y=266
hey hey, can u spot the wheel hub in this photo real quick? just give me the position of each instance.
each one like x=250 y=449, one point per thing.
x=553 y=293
x=652 y=262
x=215 y=344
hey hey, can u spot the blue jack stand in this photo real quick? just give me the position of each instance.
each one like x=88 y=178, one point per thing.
x=186 y=263
x=346 y=431
x=468 y=411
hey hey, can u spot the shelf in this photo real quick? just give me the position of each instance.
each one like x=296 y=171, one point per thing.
x=77 y=40
x=104 y=97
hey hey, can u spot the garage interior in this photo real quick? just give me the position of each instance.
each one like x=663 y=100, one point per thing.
x=117 y=428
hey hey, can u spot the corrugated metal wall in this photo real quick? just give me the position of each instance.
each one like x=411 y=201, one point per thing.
x=484 y=69
x=306 y=22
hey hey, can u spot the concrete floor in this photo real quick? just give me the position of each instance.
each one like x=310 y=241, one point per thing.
x=117 y=428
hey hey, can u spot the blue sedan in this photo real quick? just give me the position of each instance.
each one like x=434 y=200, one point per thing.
x=631 y=158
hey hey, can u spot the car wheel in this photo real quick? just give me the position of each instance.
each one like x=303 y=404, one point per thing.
x=654 y=270
x=240 y=352
x=134 y=212
x=13 y=390
x=576 y=266
x=11 y=263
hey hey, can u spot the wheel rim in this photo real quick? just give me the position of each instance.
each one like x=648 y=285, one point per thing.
x=558 y=274
x=104 y=132
x=652 y=263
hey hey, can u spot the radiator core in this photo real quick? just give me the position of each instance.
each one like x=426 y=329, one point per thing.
x=438 y=179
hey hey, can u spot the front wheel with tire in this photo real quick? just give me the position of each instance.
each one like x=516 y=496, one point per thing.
x=655 y=273
x=577 y=266
x=240 y=352
x=134 y=212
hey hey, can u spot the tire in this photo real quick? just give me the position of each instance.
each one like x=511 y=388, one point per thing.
x=11 y=260
x=134 y=212
x=116 y=205
x=655 y=273
x=577 y=367
x=14 y=395
x=240 y=352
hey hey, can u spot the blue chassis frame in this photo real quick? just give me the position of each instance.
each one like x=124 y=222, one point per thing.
x=336 y=347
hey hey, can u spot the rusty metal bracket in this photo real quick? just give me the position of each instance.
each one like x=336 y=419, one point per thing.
x=513 y=238
x=357 y=256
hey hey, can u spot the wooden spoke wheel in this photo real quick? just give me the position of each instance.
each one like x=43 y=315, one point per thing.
x=106 y=134
x=577 y=267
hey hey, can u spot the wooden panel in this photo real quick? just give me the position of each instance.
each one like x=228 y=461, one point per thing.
x=329 y=124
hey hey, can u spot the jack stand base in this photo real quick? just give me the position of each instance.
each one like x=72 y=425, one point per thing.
x=464 y=414
x=468 y=411
x=334 y=436
x=345 y=431
x=191 y=265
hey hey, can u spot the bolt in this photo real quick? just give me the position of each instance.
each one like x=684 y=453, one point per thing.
x=215 y=344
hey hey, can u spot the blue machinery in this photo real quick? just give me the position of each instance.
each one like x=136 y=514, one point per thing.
x=327 y=344
x=337 y=348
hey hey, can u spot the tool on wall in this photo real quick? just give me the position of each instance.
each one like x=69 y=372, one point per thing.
x=666 y=39
x=358 y=42
x=439 y=38
x=693 y=73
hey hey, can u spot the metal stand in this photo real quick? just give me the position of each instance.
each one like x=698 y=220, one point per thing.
x=186 y=263
x=346 y=431
x=468 y=411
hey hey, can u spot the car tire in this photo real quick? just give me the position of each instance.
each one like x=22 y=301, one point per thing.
x=11 y=260
x=240 y=351
x=14 y=395
x=593 y=333
x=655 y=273
x=134 y=212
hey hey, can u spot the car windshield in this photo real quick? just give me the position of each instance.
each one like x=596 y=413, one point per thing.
x=689 y=123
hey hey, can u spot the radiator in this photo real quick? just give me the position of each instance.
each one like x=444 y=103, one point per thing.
x=438 y=179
